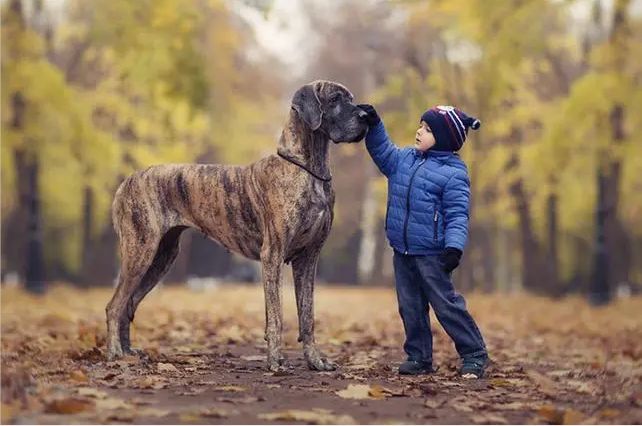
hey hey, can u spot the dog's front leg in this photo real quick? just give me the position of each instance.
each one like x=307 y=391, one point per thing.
x=272 y=266
x=304 y=270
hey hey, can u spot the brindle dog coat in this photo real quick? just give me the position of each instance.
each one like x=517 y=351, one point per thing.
x=276 y=210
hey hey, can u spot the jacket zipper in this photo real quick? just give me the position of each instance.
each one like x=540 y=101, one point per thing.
x=405 y=232
x=435 y=223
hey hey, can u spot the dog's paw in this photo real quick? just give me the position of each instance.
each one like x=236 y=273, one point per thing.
x=319 y=362
x=114 y=354
x=135 y=352
x=276 y=363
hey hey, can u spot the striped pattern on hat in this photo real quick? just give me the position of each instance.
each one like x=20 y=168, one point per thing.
x=450 y=126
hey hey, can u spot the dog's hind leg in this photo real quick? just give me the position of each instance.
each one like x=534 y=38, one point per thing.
x=303 y=270
x=166 y=254
x=136 y=258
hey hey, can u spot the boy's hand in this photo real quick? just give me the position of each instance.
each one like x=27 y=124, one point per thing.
x=450 y=259
x=372 y=118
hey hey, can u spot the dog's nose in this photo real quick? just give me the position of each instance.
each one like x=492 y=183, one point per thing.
x=362 y=114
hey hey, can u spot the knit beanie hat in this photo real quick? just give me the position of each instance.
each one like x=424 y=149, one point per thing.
x=450 y=127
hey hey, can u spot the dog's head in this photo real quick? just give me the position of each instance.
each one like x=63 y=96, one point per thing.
x=328 y=107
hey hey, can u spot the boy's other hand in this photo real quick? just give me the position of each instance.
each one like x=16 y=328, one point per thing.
x=372 y=118
x=450 y=259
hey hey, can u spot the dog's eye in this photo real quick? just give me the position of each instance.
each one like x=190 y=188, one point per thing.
x=335 y=97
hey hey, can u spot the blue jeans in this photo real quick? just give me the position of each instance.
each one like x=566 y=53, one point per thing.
x=420 y=282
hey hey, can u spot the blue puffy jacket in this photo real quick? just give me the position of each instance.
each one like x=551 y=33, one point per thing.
x=428 y=196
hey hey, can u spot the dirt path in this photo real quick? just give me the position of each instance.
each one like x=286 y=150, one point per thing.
x=53 y=368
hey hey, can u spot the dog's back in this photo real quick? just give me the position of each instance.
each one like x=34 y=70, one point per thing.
x=214 y=198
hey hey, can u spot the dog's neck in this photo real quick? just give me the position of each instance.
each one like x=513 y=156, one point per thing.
x=309 y=148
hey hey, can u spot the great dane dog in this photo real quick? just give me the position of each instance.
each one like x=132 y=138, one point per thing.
x=277 y=210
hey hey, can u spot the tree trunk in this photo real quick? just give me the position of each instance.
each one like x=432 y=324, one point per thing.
x=503 y=267
x=612 y=261
x=487 y=259
x=530 y=250
x=35 y=267
x=552 y=267
x=600 y=293
x=14 y=233
x=368 y=244
x=87 y=246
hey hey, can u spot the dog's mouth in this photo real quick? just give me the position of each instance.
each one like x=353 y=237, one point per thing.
x=358 y=138
x=361 y=135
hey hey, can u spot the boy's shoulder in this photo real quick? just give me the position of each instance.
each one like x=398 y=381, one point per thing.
x=452 y=164
x=456 y=168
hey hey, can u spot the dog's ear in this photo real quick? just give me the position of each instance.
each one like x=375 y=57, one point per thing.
x=307 y=104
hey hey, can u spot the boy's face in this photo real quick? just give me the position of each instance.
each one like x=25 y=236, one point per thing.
x=424 y=139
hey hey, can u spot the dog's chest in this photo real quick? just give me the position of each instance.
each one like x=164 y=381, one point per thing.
x=315 y=218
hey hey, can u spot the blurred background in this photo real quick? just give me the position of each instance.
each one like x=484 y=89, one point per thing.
x=95 y=89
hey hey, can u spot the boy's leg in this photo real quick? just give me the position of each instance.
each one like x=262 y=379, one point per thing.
x=450 y=309
x=413 y=309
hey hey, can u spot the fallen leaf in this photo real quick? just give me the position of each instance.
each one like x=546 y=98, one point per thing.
x=254 y=357
x=500 y=382
x=142 y=401
x=462 y=406
x=582 y=387
x=273 y=386
x=166 y=367
x=69 y=406
x=107 y=376
x=317 y=417
x=152 y=382
x=78 y=376
x=9 y=411
x=560 y=373
x=378 y=392
x=191 y=392
x=513 y=406
x=151 y=412
x=91 y=392
x=469 y=376
x=488 y=419
x=609 y=413
x=551 y=414
x=120 y=417
x=355 y=392
x=433 y=403
x=189 y=418
x=231 y=388
x=546 y=385
x=217 y=413
x=238 y=400
x=571 y=417
x=108 y=404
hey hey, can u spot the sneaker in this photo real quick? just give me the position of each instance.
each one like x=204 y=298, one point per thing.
x=414 y=368
x=474 y=368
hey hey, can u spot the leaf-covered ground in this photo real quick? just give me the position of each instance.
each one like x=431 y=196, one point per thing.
x=553 y=361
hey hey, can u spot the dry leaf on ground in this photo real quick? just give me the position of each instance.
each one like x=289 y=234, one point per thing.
x=355 y=392
x=317 y=417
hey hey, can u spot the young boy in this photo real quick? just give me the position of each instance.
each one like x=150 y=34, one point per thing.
x=427 y=226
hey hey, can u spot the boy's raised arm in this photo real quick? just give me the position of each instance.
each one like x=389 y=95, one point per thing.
x=383 y=151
